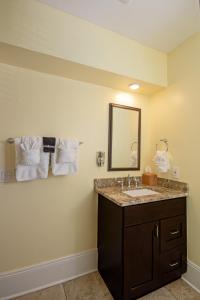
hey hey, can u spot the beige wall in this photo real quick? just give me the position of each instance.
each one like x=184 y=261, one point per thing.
x=47 y=219
x=35 y=26
x=51 y=218
x=175 y=115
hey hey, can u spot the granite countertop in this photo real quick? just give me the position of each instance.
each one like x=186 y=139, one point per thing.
x=166 y=191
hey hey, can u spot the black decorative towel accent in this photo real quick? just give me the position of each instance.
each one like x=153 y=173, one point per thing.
x=49 y=144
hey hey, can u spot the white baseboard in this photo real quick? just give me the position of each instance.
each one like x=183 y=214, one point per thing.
x=33 y=278
x=37 y=277
x=192 y=277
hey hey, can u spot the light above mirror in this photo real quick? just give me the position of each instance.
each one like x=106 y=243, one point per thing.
x=134 y=86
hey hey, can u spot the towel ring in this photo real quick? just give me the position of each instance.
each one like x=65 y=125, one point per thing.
x=165 y=141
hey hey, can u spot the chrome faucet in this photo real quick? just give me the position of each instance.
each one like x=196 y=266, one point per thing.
x=137 y=181
x=129 y=181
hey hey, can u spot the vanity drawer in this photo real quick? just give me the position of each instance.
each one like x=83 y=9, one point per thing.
x=171 y=261
x=142 y=213
x=172 y=264
x=173 y=232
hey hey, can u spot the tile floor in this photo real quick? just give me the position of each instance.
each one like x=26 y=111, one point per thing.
x=92 y=287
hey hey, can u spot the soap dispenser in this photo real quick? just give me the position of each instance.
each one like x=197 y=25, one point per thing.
x=100 y=158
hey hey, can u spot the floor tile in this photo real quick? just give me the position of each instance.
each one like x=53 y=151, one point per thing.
x=92 y=287
x=182 y=291
x=53 y=293
x=88 y=287
x=161 y=294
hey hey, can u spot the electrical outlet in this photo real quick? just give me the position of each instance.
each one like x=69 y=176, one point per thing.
x=176 y=172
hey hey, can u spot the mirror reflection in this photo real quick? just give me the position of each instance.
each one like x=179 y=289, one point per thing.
x=124 y=137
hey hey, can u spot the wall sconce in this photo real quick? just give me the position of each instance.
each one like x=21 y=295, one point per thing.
x=100 y=158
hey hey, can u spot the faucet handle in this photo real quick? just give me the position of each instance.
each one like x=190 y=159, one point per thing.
x=129 y=180
x=122 y=183
x=137 y=181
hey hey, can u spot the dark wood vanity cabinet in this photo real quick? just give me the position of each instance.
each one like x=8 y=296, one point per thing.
x=141 y=247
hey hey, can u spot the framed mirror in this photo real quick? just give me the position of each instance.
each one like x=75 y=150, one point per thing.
x=124 y=138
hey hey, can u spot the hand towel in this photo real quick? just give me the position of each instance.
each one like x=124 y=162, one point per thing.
x=31 y=162
x=161 y=160
x=134 y=159
x=65 y=159
x=30 y=151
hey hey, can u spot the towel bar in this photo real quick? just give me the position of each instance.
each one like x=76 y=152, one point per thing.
x=11 y=141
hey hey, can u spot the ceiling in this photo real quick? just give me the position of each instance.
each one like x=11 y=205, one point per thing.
x=160 y=24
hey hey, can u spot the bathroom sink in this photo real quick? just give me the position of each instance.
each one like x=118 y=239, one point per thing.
x=140 y=192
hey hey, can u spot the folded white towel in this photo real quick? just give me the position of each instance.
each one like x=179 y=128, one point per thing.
x=65 y=159
x=30 y=151
x=66 y=155
x=31 y=162
x=161 y=160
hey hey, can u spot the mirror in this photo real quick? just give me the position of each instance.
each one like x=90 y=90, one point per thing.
x=124 y=138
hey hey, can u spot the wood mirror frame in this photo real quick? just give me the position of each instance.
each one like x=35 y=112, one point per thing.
x=110 y=137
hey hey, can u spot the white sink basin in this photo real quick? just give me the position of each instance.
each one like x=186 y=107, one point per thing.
x=140 y=192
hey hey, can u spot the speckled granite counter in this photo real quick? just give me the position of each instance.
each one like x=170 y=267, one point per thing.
x=167 y=189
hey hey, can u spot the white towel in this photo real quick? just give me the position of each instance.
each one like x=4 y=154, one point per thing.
x=31 y=162
x=65 y=159
x=30 y=151
x=134 y=159
x=161 y=160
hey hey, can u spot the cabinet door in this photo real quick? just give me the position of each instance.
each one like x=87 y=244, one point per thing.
x=141 y=246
